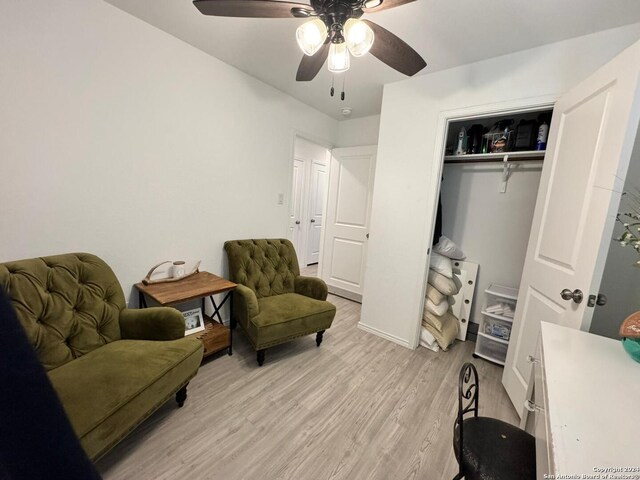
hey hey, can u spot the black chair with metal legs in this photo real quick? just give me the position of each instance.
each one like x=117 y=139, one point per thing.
x=488 y=448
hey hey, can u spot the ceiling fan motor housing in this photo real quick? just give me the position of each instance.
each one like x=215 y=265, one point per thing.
x=334 y=14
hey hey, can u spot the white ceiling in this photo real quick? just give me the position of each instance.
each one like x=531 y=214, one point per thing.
x=446 y=33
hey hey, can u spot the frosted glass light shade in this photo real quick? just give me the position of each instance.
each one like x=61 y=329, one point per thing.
x=311 y=36
x=372 y=3
x=338 y=58
x=359 y=36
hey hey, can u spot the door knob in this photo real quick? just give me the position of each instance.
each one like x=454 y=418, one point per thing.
x=599 y=300
x=313 y=220
x=576 y=295
x=532 y=407
x=297 y=222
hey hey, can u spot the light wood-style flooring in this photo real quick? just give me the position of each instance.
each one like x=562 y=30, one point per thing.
x=358 y=407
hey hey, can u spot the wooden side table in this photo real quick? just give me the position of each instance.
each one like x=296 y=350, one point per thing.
x=216 y=335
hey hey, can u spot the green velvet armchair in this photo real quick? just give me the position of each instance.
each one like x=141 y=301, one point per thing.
x=273 y=303
x=111 y=367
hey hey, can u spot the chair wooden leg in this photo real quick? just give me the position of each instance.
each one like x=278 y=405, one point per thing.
x=319 y=337
x=232 y=323
x=181 y=396
x=260 y=356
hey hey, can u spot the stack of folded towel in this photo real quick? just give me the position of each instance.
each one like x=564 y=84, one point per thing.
x=504 y=309
x=440 y=326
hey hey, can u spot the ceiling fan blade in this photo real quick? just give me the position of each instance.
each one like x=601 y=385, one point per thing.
x=386 y=5
x=251 y=8
x=311 y=65
x=393 y=51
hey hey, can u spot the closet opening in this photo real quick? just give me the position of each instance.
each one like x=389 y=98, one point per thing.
x=490 y=174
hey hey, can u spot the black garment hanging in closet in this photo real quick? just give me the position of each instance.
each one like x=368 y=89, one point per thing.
x=437 y=233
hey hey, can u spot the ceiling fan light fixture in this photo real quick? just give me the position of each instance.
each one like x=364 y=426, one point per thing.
x=338 y=58
x=359 y=37
x=311 y=36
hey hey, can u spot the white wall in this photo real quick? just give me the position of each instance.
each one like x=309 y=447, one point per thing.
x=621 y=277
x=358 y=131
x=120 y=140
x=406 y=181
x=492 y=228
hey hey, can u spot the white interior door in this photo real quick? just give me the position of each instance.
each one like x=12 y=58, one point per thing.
x=346 y=231
x=295 y=206
x=310 y=165
x=592 y=134
x=317 y=192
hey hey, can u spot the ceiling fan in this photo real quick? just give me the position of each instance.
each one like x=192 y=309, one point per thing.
x=334 y=31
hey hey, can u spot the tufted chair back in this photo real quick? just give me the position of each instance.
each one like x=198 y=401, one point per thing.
x=68 y=304
x=268 y=267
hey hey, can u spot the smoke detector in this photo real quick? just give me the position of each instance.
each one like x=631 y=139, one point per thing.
x=346 y=111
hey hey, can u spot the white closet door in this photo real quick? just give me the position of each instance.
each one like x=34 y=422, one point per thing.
x=347 y=221
x=295 y=206
x=592 y=134
x=316 y=205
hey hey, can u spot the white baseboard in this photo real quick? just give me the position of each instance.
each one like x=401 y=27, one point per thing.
x=385 y=335
x=356 y=297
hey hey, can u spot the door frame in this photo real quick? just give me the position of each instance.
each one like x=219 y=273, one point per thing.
x=302 y=254
x=445 y=117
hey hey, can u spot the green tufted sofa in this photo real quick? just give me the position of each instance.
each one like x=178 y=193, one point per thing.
x=112 y=367
x=273 y=303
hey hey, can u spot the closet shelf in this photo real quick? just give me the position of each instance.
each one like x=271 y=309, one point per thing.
x=498 y=317
x=530 y=156
x=503 y=292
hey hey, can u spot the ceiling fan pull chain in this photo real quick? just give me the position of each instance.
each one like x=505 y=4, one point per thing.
x=332 y=91
x=343 y=79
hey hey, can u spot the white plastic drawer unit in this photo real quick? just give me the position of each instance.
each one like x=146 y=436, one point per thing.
x=585 y=405
x=491 y=348
x=500 y=302
x=495 y=329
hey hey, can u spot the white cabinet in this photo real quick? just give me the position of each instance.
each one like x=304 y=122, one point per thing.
x=586 y=394
x=495 y=330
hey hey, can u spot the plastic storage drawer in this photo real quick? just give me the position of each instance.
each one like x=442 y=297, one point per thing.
x=491 y=348
x=496 y=328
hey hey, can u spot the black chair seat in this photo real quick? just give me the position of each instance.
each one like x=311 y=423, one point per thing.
x=496 y=450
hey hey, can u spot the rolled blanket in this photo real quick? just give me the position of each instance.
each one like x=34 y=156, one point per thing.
x=446 y=286
x=428 y=341
x=449 y=249
x=441 y=264
x=444 y=328
x=438 y=309
x=434 y=294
